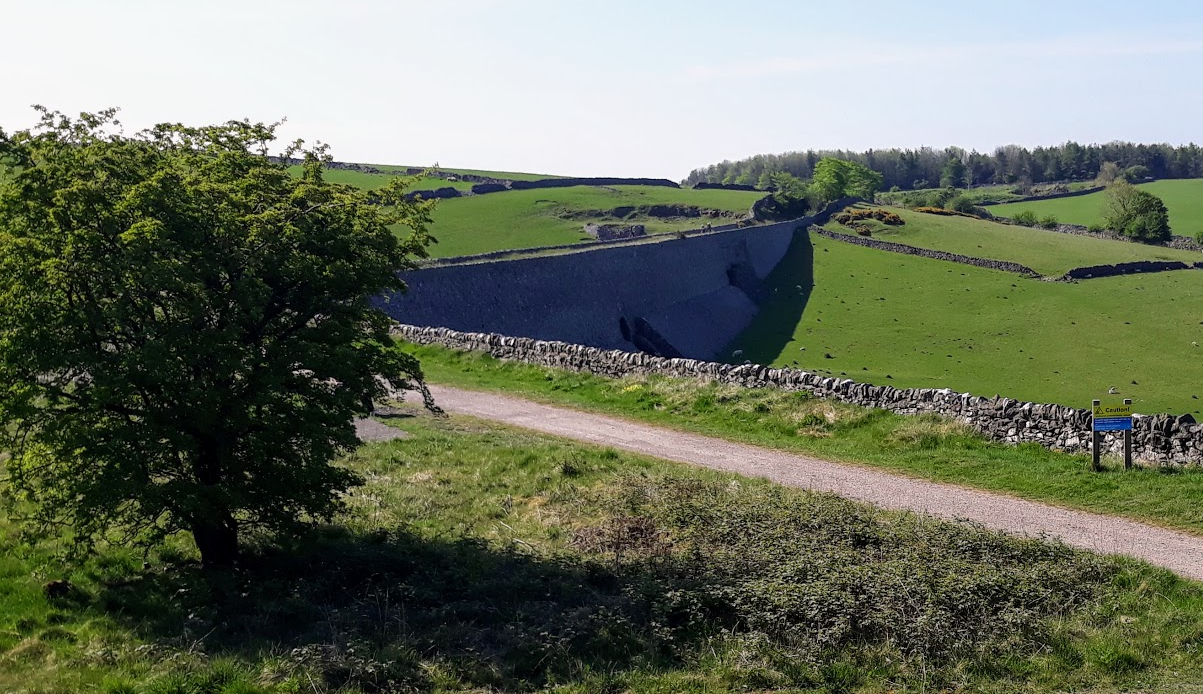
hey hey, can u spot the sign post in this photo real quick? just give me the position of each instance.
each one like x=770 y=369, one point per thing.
x=1111 y=417
x=1128 y=436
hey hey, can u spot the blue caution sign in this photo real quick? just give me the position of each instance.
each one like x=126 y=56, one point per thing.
x=1112 y=423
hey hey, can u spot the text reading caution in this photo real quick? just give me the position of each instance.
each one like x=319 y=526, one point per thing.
x=1112 y=410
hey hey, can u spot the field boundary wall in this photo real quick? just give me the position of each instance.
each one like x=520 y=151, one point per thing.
x=1003 y=265
x=1158 y=439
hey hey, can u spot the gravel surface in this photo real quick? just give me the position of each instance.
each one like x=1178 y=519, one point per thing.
x=372 y=430
x=1176 y=551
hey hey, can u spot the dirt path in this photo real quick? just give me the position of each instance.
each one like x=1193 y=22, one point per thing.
x=1178 y=552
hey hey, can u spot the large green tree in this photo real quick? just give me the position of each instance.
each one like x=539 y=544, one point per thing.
x=954 y=173
x=1136 y=213
x=836 y=178
x=187 y=330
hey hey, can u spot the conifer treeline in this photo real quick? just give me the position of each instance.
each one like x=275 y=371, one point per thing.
x=922 y=168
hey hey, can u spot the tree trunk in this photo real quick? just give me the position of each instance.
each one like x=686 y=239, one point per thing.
x=213 y=526
x=217 y=541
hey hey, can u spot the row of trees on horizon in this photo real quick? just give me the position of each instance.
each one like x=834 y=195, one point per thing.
x=907 y=169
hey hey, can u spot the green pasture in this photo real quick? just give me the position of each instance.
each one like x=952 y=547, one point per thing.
x=1183 y=197
x=553 y=216
x=1046 y=252
x=893 y=319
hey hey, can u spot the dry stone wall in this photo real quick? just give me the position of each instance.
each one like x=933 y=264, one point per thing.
x=1158 y=439
x=1004 y=265
x=611 y=232
x=729 y=186
x=1133 y=268
x=1050 y=196
x=485 y=185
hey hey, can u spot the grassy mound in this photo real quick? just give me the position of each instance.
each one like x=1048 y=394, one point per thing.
x=1048 y=253
x=482 y=559
x=553 y=216
x=1183 y=197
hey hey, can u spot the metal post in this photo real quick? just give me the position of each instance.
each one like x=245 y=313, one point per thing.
x=1097 y=436
x=1127 y=442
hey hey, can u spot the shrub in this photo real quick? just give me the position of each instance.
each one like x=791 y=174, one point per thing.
x=943 y=195
x=1199 y=237
x=962 y=204
x=1097 y=229
x=1049 y=222
x=1026 y=218
x=943 y=211
x=818 y=575
x=852 y=215
x=1137 y=213
x=1050 y=189
x=1136 y=174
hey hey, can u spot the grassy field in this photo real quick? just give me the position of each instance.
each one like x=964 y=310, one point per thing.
x=370 y=181
x=912 y=322
x=503 y=175
x=923 y=447
x=1183 y=197
x=483 y=559
x=528 y=218
x=1046 y=252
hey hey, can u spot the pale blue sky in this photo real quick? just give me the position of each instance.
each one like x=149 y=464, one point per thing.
x=627 y=87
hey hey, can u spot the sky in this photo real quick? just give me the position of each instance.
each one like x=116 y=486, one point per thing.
x=621 y=88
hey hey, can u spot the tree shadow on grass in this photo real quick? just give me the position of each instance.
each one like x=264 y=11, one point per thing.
x=790 y=286
x=369 y=610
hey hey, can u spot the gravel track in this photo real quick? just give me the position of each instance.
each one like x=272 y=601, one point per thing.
x=1176 y=551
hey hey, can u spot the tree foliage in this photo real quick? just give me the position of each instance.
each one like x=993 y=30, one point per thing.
x=1136 y=213
x=789 y=199
x=923 y=167
x=1108 y=173
x=186 y=330
x=954 y=173
x=837 y=178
